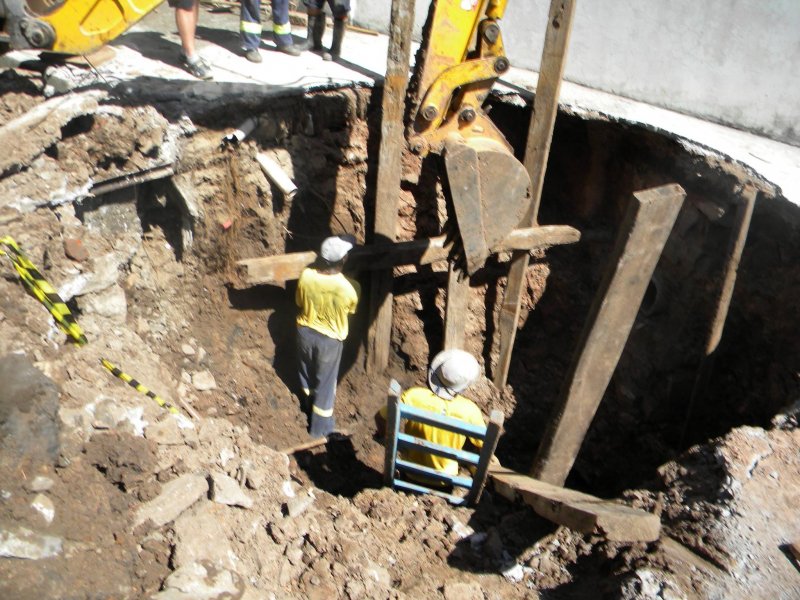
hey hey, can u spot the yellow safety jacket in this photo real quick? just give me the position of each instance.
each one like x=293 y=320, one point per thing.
x=460 y=408
x=325 y=300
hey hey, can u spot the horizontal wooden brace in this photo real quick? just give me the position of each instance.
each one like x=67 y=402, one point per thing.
x=276 y=270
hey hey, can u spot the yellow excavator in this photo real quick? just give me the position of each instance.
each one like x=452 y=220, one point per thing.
x=460 y=58
x=68 y=26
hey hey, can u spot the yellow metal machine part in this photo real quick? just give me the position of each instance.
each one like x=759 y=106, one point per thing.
x=463 y=57
x=70 y=26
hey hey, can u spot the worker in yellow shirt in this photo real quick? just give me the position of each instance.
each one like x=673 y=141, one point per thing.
x=326 y=298
x=450 y=373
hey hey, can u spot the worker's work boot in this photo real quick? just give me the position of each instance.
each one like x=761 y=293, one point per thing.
x=317 y=28
x=339 y=27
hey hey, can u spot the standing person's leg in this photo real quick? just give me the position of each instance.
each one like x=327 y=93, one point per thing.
x=329 y=355
x=282 y=29
x=250 y=29
x=316 y=24
x=187 y=14
x=340 y=10
x=305 y=366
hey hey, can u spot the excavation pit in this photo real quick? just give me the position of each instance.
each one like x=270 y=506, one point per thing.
x=160 y=294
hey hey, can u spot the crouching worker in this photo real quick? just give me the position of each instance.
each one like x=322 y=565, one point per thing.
x=450 y=373
x=325 y=298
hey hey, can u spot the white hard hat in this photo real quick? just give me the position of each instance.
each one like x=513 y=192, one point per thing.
x=451 y=372
x=335 y=248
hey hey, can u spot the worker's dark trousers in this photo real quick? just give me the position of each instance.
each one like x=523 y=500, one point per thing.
x=319 y=357
x=339 y=8
x=250 y=23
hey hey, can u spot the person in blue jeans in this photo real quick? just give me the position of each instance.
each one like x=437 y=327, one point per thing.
x=316 y=26
x=250 y=29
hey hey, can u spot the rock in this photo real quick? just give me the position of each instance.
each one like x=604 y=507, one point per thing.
x=255 y=479
x=40 y=483
x=201 y=536
x=203 y=381
x=187 y=350
x=515 y=573
x=43 y=505
x=299 y=504
x=377 y=574
x=29 y=415
x=75 y=249
x=200 y=581
x=110 y=303
x=225 y=490
x=24 y=543
x=107 y=413
x=166 y=432
x=175 y=497
x=458 y=590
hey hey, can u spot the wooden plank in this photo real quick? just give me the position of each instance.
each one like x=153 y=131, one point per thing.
x=578 y=511
x=276 y=270
x=640 y=241
x=456 y=308
x=392 y=429
x=739 y=230
x=490 y=440
x=388 y=179
x=540 y=134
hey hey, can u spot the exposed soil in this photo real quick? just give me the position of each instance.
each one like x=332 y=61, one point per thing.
x=158 y=294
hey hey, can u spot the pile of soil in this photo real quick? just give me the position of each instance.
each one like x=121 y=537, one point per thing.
x=120 y=498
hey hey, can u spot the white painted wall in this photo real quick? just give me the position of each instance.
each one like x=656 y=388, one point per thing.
x=732 y=61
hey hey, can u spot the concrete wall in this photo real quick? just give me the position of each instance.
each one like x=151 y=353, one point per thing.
x=732 y=61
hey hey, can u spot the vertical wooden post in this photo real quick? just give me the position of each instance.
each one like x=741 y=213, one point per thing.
x=456 y=308
x=540 y=133
x=392 y=423
x=493 y=431
x=642 y=235
x=388 y=181
x=739 y=230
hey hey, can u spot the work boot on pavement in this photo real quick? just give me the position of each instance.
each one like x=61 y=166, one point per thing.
x=316 y=29
x=339 y=27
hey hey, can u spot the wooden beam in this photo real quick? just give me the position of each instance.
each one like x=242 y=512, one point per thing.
x=392 y=424
x=276 y=270
x=576 y=510
x=640 y=241
x=739 y=230
x=540 y=133
x=455 y=312
x=493 y=431
x=388 y=180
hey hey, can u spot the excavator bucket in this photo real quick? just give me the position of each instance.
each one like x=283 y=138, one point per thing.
x=489 y=189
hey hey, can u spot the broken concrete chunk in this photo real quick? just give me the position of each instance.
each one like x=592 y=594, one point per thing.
x=225 y=490
x=201 y=536
x=44 y=506
x=175 y=497
x=24 y=543
x=40 y=483
x=110 y=303
x=459 y=590
x=166 y=433
x=203 y=381
x=29 y=135
x=200 y=581
x=299 y=504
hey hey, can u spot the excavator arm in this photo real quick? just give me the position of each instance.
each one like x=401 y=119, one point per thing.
x=68 y=26
x=462 y=57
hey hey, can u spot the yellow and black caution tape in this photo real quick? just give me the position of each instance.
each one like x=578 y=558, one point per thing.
x=138 y=386
x=44 y=292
